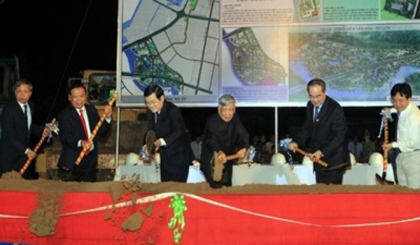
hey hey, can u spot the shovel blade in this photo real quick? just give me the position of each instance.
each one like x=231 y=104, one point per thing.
x=382 y=180
x=69 y=174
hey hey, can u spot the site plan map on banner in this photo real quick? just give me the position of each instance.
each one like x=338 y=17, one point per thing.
x=171 y=43
x=357 y=62
x=264 y=52
x=359 y=48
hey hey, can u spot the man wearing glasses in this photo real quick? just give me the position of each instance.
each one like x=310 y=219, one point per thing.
x=408 y=136
x=325 y=131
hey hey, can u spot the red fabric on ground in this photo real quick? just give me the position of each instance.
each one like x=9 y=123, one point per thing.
x=210 y=224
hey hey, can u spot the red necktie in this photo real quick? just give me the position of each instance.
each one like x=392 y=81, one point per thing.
x=82 y=118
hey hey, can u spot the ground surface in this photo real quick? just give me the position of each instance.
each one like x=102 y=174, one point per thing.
x=49 y=192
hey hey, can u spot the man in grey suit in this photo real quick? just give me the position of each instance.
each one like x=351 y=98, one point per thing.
x=325 y=128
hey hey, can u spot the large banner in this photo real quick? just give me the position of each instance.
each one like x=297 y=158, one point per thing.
x=265 y=51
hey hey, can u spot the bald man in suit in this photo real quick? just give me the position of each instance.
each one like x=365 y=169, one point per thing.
x=325 y=130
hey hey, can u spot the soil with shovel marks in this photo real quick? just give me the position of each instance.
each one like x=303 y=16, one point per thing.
x=44 y=217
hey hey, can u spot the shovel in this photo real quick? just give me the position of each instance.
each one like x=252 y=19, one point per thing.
x=382 y=180
x=217 y=166
x=75 y=173
x=150 y=144
x=28 y=162
x=320 y=162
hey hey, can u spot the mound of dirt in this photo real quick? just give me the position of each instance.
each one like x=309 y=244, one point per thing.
x=44 y=217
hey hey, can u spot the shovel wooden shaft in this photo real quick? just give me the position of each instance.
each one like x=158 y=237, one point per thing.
x=386 y=140
x=95 y=131
x=382 y=180
x=26 y=165
x=320 y=162
x=231 y=157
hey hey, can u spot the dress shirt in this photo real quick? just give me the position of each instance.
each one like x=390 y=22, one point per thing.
x=162 y=140
x=28 y=111
x=196 y=148
x=408 y=131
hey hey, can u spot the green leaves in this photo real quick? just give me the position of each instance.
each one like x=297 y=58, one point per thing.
x=177 y=222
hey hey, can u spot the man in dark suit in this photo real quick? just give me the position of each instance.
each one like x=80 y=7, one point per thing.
x=77 y=122
x=325 y=127
x=17 y=127
x=165 y=119
x=222 y=133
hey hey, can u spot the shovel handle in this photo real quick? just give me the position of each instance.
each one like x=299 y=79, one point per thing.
x=231 y=157
x=26 y=165
x=386 y=139
x=95 y=130
x=320 y=162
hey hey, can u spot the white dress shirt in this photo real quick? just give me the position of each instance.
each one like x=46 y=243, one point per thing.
x=28 y=111
x=408 y=132
x=196 y=148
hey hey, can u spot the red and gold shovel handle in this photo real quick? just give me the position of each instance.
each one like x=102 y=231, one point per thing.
x=95 y=130
x=386 y=139
x=26 y=165
x=320 y=162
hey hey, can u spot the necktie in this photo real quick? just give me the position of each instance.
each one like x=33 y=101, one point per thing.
x=25 y=111
x=82 y=118
x=316 y=112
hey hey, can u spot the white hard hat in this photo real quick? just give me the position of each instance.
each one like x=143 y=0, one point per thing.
x=278 y=159
x=132 y=159
x=376 y=159
x=352 y=159
x=306 y=161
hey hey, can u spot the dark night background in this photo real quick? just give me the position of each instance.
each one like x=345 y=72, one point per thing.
x=55 y=40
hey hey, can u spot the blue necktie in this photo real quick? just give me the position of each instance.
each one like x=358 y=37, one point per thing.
x=316 y=112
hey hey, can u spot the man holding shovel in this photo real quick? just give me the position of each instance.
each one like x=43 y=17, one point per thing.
x=172 y=142
x=223 y=131
x=77 y=122
x=408 y=136
x=325 y=129
x=17 y=127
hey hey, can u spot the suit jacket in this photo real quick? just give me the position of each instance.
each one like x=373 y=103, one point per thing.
x=71 y=131
x=15 y=137
x=327 y=133
x=177 y=155
x=224 y=136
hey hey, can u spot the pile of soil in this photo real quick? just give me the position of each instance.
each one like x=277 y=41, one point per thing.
x=45 y=216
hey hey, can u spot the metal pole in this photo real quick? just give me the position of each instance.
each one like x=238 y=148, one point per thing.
x=117 y=140
x=276 y=129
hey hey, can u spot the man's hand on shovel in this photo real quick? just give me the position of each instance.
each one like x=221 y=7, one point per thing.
x=315 y=157
x=106 y=114
x=32 y=153
x=222 y=157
